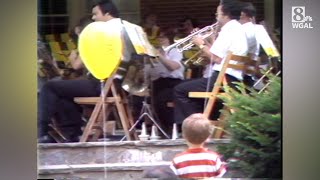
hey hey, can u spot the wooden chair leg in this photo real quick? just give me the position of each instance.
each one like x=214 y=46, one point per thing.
x=122 y=112
x=97 y=133
x=129 y=114
x=218 y=133
x=99 y=129
x=56 y=134
x=92 y=121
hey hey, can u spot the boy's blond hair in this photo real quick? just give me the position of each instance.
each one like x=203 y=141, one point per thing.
x=196 y=128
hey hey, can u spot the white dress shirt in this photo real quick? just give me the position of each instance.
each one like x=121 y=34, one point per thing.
x=232 y=38
x=160 y=71
x=253 y=45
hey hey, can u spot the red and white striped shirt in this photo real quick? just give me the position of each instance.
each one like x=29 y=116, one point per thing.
x=198 y=163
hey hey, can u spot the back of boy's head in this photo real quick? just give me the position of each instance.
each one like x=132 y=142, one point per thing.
x=196 y=128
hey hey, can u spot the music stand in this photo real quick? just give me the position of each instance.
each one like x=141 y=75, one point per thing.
x=146 y=109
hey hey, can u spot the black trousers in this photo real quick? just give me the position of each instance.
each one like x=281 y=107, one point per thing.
x=56 y=98
x=185 y=106
x=162 y=94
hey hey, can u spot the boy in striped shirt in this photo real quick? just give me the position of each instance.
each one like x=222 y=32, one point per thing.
x=197 y=161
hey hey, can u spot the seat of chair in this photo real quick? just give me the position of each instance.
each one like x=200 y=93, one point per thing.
x=92 y=100
x=204 y=94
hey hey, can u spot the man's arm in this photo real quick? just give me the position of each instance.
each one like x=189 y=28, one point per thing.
x=75 y=60
x=171 y=65
x=198 y=41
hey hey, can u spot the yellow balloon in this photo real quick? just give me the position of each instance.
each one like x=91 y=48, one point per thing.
x=100 y=48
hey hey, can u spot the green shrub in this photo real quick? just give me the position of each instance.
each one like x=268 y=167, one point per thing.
x=255 y=127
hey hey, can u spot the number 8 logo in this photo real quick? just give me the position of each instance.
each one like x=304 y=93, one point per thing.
x=298 y=14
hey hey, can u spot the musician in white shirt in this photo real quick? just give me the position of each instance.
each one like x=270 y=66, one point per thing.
x=56 y=97
x=165 y=74
x=169 y=65
x=247 y=19
x=231 y=38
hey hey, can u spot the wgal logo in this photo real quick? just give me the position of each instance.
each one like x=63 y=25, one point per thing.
x=299 y=18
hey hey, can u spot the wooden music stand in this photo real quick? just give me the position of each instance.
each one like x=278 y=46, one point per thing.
x=117 y=99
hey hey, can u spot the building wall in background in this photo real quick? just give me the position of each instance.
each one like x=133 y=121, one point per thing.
x=172 y=11
x=53 y=16
x=56 y=16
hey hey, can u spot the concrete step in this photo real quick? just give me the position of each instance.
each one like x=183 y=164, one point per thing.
x=121 y=160
x=119 y=171
x=113 y=152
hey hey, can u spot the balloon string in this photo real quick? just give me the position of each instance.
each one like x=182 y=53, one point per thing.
x=103 y=95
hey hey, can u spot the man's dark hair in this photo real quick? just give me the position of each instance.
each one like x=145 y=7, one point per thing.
x=193 y=21
x=248 y=9
x=169 y=33
x=231 y=8
x=83 y=22
x=107 y=6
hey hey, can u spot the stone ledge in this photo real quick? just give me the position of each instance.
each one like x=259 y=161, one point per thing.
x=114 y=152
x=61 y=169
x=167 y=142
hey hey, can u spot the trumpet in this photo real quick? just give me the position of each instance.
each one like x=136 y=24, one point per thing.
x=196 y=59
x=186 y=43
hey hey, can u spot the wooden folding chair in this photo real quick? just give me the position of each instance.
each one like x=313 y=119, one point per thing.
x=50 y=37
x=59 y=53
x=244 y=64
x=117 y=99
x=68 y=41
x=71 y=45
x=65 y=37
x=56 y=133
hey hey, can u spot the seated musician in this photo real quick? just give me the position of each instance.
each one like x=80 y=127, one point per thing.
x=78 y=70
x=47 y=68
x=151 y=28
x=165 y=74
x=56 y=97
x=247 y=19
x=186 y=27
x=231 y=38
x=56 y=101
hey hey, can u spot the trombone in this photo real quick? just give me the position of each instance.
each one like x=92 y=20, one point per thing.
x=186 y=43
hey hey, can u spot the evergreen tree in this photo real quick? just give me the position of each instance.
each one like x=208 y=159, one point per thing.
x=255 y=128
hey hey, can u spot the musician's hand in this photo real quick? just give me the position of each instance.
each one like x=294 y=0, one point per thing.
x=195 y=30
x=75 y=60
x=73 y=55
x=197 y=41
x=161 y=52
